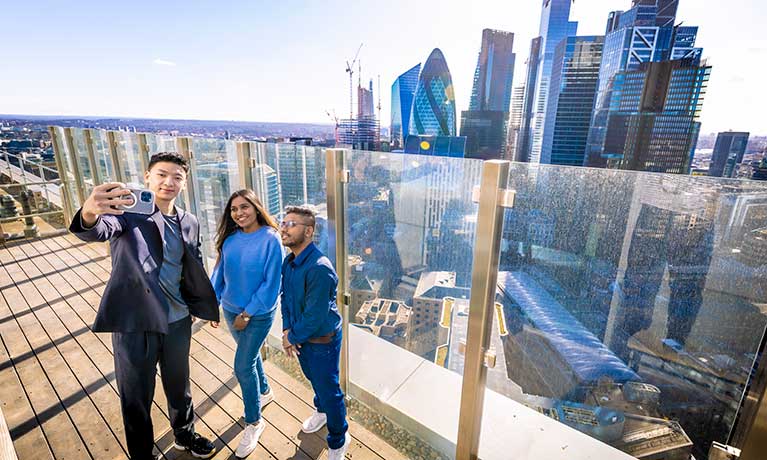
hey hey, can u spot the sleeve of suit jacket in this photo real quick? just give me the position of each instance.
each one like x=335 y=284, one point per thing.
x=106 y=227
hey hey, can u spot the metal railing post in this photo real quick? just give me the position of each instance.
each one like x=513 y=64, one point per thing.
x=88 y=139
x=493 y=196
x=114 y=156
x=245 y=165
x=749 y=432
x=143 y=152
x=337 y=180
x=79 y=180
x=66 y=188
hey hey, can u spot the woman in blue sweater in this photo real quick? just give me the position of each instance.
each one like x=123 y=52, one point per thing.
x=247 y=282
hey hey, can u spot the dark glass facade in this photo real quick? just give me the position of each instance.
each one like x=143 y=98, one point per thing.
x=484 y=124
x=625 y=120
x=494 y=73
x=522 y=151
x=728 y=153
x=402 y=92
x=653 y=123
x=571 y=99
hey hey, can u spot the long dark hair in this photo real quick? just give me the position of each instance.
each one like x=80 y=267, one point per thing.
x=227 y=225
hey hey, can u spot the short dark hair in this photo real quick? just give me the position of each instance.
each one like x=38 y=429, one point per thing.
x=169 y=157
x=302 y=211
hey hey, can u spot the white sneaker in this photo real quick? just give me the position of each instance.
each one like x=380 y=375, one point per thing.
x=266 y=398
x=314 y=423
x=338 y=454
x=249 y=439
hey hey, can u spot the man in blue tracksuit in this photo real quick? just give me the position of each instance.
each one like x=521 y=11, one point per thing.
x=311 y=326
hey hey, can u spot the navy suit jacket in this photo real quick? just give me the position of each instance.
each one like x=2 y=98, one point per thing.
x=133 y=300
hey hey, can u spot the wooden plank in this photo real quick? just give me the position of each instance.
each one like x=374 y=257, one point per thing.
x=273 y=438
x=60 y=319
x=13 y=400
x=98 y=346
x=290 y=410
x=298 y=399
x=73 y=391
x=203 y=425
x=274 y=414
x=209 y=411
x=59 y=430
x=289 y=404
x=7 y=452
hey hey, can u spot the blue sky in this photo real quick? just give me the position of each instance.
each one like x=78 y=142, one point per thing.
x=285 y=61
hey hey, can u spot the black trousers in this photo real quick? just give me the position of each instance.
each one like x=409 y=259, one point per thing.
x=136 y=357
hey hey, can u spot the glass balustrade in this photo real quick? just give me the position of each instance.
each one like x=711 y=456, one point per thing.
x=629 y=308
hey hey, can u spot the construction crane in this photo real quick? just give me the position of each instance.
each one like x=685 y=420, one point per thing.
x=379 y=105
x=334 y=117
x=350 y=71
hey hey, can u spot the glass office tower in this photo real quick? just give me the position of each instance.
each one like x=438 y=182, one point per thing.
x=433 y=111
x=573 y=86
x=484 y=124
x=402 y=92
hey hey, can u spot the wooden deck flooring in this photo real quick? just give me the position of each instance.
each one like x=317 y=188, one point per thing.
x=57 y=382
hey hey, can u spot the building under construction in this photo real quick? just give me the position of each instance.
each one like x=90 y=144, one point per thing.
x=362 y=133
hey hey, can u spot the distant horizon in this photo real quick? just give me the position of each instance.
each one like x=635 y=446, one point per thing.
x=5 y=116
x=329 y=125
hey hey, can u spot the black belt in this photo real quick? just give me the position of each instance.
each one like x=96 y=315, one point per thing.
x=322 y=339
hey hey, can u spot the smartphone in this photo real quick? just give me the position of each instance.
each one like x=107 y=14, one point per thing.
x=143 y=200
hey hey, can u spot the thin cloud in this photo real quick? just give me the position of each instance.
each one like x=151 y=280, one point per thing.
x=159 y=61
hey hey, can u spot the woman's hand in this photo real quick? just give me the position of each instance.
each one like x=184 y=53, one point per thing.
x=241 y=321
x=214 y=324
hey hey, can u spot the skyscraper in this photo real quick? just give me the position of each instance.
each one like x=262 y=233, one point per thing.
x=494 y=73
x=653 y=121
x=402 y=92
x=267 y=187
x=635 y=38
x=365 y=104
x=555 y=27
x=433 y=110
x=572 y=89
x=363 y=132
x=522 y=152
x=484 y=124
x=515 y=122
x=728 y=153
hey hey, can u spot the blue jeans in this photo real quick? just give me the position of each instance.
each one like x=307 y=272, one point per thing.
x=248 y=366
x=320 y=364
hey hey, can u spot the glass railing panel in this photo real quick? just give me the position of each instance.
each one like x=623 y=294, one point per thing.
x=161 y=143
x=215 y=178
x=81 y=150
x=410 y=238
x=28 y=211
x=100 y=143
x=128 y=153
x=631 y=305
x=300 y=171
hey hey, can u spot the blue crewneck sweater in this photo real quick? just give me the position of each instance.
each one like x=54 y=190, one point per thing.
x=247 y=276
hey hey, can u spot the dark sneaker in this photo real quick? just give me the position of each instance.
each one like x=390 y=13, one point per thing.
x=198 y=446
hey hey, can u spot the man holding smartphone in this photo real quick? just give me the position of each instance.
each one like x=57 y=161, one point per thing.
x=158 y=283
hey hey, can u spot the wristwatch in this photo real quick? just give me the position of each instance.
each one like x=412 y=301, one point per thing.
x=244 y=318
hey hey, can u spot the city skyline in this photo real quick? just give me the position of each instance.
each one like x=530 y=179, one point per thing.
x=208 y=63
